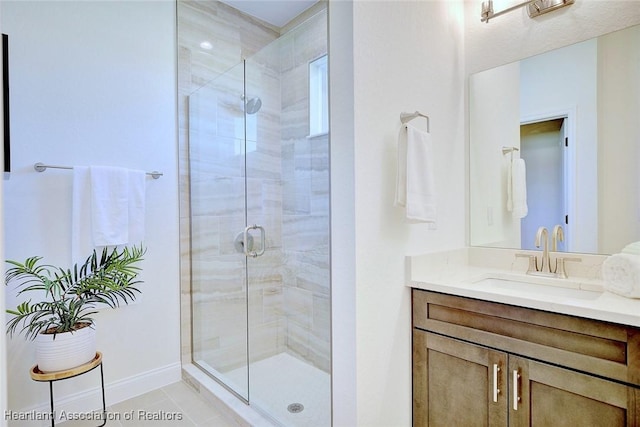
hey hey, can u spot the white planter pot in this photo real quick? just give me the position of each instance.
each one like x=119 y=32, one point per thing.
x=66 y=351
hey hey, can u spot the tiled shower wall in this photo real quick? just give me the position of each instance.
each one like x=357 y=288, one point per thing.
x=305 y=188
x=232 y=36
x=287 y=190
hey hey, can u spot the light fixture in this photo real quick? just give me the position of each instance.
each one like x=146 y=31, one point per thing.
x=534 y=8
x=206 y=45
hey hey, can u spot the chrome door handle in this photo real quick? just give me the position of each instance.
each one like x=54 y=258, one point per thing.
x=496 y=390
x=246 y=238
x=263 y=241
x=516 y=397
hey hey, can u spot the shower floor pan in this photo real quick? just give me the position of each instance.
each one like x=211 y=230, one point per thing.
x=288 y=389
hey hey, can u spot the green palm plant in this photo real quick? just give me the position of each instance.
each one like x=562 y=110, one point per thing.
x=72 y=294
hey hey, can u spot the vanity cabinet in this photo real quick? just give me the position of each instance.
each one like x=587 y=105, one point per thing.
x=478 y=363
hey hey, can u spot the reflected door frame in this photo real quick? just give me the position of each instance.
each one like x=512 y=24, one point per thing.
x=568 y=113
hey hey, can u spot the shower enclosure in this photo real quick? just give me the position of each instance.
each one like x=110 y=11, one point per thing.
x=259 y=228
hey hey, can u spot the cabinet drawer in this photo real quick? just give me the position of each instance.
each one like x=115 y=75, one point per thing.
x=592 y=346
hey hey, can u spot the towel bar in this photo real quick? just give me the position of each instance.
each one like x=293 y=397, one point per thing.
x=41 y=167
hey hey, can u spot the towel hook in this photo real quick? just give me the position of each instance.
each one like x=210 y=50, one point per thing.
x=407 y=117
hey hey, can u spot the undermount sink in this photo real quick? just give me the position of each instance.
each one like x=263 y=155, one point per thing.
x=536 y=286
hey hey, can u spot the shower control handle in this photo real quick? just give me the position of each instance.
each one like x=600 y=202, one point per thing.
x=247 y=238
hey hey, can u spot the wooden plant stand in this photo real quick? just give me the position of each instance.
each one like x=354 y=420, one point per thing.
x=51 y=377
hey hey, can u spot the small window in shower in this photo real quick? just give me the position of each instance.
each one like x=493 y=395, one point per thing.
x=318 y=97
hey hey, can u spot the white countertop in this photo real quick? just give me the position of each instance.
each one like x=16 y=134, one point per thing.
x=582 y=294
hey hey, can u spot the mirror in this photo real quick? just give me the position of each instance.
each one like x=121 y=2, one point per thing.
x=573 y=116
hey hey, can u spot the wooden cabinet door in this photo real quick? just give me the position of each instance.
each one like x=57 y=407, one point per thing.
x=457 y=384
x=542 y=395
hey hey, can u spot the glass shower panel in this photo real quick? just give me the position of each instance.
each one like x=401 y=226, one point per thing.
x=218 y=215
x=288 y=195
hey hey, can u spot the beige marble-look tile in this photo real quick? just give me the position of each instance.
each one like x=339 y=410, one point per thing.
x=298 y=306
x=295 y=120
x=29 y=423
x=297 y=87
x=310 y=39
x=264 y=340
x=163 y=413
x=230 y=227
x=218 y=277
x=304 y=232
x=190 y=402
x=205 y=236
x=272 y=303
x=142 y=401
x=218 y=421
x=312 y=270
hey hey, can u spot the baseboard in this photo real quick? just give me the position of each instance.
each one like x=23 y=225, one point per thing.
x=115 y=392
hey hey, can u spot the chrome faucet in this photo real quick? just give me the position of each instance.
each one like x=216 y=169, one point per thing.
x=544 y=268
x=556 y=236
x=542 y=236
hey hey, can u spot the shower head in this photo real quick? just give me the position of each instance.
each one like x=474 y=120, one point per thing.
x=253 y=105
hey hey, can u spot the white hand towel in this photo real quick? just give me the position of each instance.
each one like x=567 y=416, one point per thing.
x=510 y=186
x=518 y=189
x=109 y=205
x=621 y=274
x=81 y=241
x=137 y=206
x=415 y=182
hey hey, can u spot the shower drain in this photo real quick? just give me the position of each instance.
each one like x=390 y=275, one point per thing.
x=294 y=408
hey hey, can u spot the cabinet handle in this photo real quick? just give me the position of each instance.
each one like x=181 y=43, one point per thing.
x=516 y=397
x=496 y=390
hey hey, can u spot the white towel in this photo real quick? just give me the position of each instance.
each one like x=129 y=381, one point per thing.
x=632 y=248
x=109 y=205
x=137 y=206
x=108 y=209
x=517 y=188
x=621 y=274
x=81 y=239
x=415 y=182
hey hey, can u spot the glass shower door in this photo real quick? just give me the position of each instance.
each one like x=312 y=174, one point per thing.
x=259 y=183
x=218 y=217
x=287 y=173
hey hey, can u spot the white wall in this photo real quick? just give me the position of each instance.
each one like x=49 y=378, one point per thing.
x=94 y=83
x=343 y=253
x=514 y=36
x=407 y=56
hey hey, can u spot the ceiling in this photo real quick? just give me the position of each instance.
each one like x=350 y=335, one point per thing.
x=275 y=12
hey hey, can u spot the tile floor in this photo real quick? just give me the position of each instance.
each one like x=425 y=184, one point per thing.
x=278 y=381
x=177 y=398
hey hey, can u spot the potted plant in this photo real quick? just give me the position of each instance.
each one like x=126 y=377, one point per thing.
x=62 y=324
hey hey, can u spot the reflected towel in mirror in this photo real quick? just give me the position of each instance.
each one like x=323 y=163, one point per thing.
x=517 y=188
